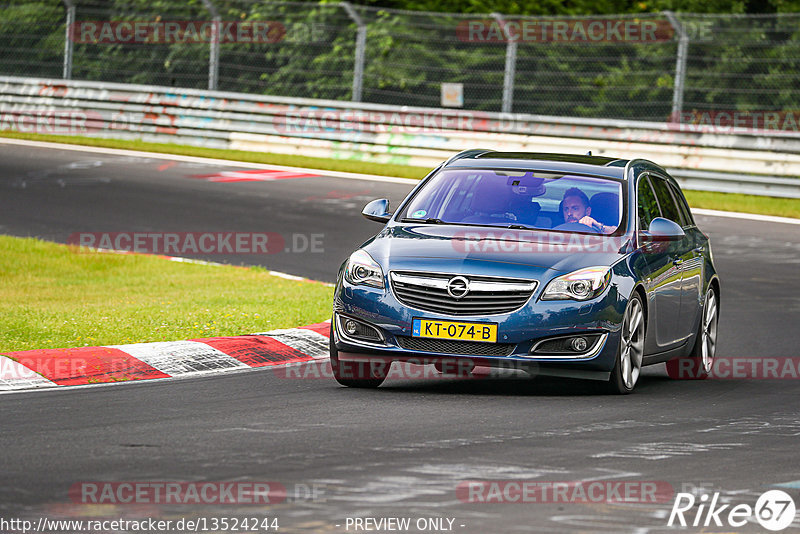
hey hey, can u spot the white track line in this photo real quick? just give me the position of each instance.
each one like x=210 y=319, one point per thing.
x=748 y=216
x=180 y=259
x=55 y=387
x=209 y=161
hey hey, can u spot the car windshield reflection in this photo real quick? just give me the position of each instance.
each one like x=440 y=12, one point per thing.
x=519 y=199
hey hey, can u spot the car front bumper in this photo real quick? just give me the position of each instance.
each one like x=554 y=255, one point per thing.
x=518 y=331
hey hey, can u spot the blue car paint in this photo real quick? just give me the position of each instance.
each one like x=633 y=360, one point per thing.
x=429 y=248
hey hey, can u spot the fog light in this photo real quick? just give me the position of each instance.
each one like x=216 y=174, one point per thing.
x=351 y=327
x=568 y=346
x=578 y=344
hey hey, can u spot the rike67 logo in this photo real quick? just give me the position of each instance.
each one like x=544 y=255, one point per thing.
x=774 y=510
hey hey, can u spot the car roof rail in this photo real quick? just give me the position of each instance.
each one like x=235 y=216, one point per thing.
x=639 y=161
x=647 y=163
x=467 y=154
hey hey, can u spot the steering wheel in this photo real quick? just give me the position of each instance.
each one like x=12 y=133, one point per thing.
x=576 y=227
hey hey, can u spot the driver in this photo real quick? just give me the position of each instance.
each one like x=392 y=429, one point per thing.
x=575 y=209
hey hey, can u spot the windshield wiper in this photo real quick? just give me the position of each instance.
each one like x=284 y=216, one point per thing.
x=520 y=227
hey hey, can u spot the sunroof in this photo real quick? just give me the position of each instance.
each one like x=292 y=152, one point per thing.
x=569 y=158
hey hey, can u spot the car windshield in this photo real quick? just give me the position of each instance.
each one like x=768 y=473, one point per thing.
x=519 y=199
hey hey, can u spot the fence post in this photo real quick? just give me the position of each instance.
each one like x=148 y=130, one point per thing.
x=680 y=65
x=511 y=64
x=68 y=44
x=361 y=45
x=213 y=51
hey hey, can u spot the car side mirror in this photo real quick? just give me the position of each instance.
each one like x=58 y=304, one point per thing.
x=662 y=229
x=377 y=210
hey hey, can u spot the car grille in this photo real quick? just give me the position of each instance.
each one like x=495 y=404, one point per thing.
x=486 y=295
x=446 y=346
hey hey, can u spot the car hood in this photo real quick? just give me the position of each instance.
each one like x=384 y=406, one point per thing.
x=491 y=251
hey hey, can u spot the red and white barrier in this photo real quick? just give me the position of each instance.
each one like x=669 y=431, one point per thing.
x=171 y=359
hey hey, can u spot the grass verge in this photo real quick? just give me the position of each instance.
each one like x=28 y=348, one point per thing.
x=56 y=296
x=784 y=207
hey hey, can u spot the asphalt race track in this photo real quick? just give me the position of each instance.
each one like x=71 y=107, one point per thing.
x=401 y=450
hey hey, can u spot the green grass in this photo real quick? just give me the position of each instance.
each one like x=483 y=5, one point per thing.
x=784 y=207
x=57 y=296
x=698 y=199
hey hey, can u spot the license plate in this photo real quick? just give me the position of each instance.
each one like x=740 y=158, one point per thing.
x=485 y=332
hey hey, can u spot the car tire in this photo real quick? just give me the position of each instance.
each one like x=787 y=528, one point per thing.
x=356 y=374
x=700 y=362
x=628 y=365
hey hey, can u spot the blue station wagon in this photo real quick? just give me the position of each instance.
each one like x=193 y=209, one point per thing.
x=554 y=264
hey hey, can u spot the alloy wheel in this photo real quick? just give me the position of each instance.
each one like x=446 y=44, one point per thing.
x=709 y=332
x=632 y=344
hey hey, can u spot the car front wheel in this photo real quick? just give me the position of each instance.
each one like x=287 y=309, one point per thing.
x=631 y=349
x=356 y=374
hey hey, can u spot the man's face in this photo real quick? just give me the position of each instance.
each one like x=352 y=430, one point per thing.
x=574 y=209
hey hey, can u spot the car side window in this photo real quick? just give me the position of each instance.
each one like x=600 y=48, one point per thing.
x=648 y=207
x=669 y=209
x=683 y=206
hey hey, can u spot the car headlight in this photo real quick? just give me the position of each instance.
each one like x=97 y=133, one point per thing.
x=363 y=270
x=582 y=284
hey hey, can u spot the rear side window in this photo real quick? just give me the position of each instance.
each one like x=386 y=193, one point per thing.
x=683 y=206
x=648 y=207
x=669 y=209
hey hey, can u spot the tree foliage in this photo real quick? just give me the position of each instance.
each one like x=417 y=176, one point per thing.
x=734 y=61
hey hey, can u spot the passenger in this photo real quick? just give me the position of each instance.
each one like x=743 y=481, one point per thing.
x=575 y=209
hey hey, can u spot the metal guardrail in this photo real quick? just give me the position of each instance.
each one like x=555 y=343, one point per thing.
x=643 y=66
x=722 y=182
x=762 y=165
